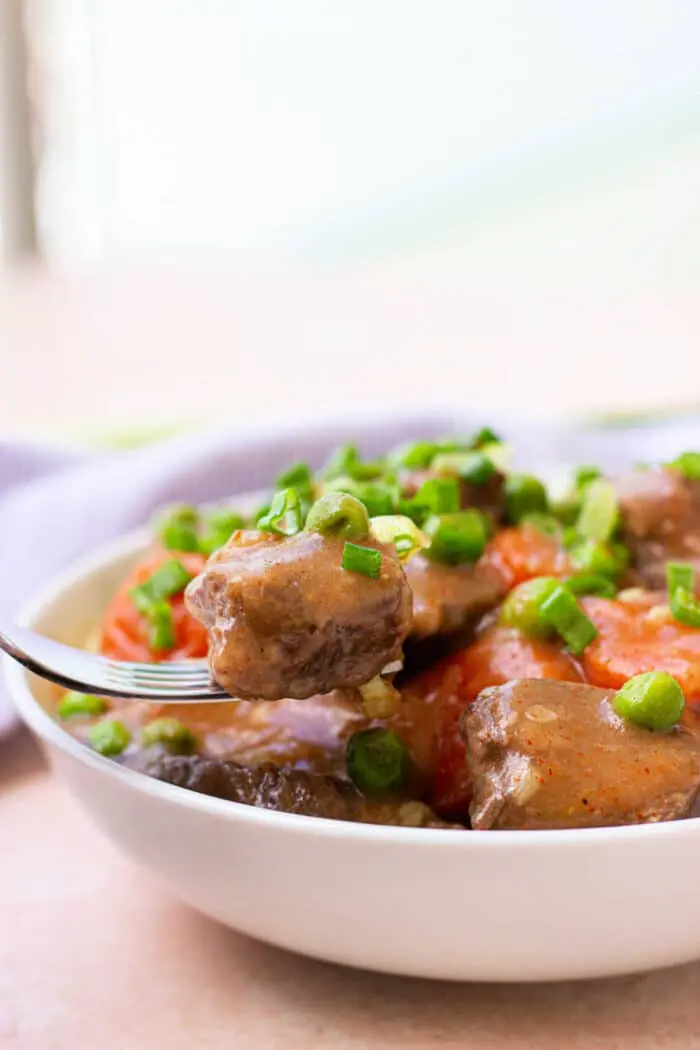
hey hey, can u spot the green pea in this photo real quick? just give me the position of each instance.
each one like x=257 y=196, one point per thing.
x=377 y=760
x=74 y=704
x=524 y=495
x=653 y=700
x=175 y=737
x=109 y=737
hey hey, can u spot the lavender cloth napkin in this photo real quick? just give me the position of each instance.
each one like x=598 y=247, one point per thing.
x=56 y=503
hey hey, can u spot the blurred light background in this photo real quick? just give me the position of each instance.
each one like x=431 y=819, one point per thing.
x=547 y=147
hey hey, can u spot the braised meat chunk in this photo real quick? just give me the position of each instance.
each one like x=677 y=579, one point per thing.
x=547 y=754
x=285 y=790
x=660 y=512
x=285 y=618
x=447 y=597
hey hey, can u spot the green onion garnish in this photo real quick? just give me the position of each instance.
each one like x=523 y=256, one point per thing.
x=688 y=464
x=679 y=574
x=584 y=475
x=379 y=497
x=346 y=461
x=599 y=511
x=401 y=531
x=377 y=760
x=435 y=496
x=601 y=559
x=171 y=734
x=589 y=583
x=219 y=525
x=485 y=436
x=169 y=579
x=109 y=737
x=364 y=560
x=161 y=627
x=415 y=455
x=284 y=515
x=177 y=528
x=75 y=704
x=473 y=467
x=456 y=538
x=524 y=495
x=653 y=700
x=680 y=580
x=685 y=608
x=522 y=607
x=338 y=514
x=439 y=495
x=545 y=523
x=298 y=477
x=563 y=613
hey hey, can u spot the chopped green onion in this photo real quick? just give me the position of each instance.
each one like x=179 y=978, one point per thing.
x=602 y=559
x=379 y=497
x=380 y=699
x=499 y=452
x=584 y=475
x=109 y=737
x=377 y=760
x=599 y=511
x=224 y=519
x=563 y=613
x=414 y=455
x=567 y=509
x=169 y=579
x=298 y=477
x=543 y=605
x=484 y=436
x=589 y=583
x=685 y=608
x=679 y=574
x=177 y=528
x=346 y=460
x=284 y=515
x=688 y=464
x=524 y=495
x=456 y=538
x=545 y=523
x=338 y=514
x=161 y=626
x=401 y=531
x=435 y=496
x=219 y=526
x=653 y=700
x=74 y=704
x=522 y=607
x=175 y=737
x=473 y=467
x=363 y=560
x=439 y=495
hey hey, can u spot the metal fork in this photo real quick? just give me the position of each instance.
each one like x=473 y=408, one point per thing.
x=175 y=683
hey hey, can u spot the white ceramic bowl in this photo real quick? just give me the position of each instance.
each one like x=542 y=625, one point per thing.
x=496 y=906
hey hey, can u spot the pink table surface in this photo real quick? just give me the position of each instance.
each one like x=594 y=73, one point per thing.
x=93 y=953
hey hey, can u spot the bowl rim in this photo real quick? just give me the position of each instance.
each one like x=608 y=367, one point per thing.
x=93 y=564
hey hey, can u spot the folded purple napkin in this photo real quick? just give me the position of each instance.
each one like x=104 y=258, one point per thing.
x=56 y=503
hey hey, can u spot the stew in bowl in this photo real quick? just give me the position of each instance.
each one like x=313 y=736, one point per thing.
x=428 y=640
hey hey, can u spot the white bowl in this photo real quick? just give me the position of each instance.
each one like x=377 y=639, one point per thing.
x=457 y=905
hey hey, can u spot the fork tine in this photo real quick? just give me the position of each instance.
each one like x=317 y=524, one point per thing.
x=143 y=672
x=91 y=673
